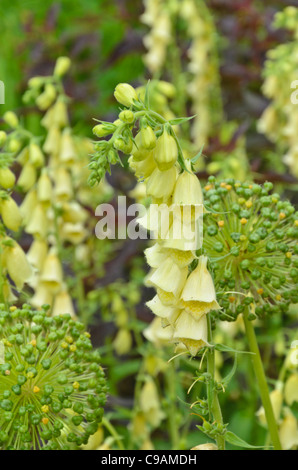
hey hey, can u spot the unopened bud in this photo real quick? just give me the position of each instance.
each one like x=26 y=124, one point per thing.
x=62 y=66
x=125 y=94
x=11 y=119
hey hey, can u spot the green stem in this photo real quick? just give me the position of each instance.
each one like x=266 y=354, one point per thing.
x=113 y=432
x=262 y=382
x=172 y=413
x=214 y=405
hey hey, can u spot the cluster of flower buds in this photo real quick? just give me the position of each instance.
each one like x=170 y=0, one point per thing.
x=280 y=118
x=52 y=387
x=251 y=238
x=184 y=286
x=53 y=178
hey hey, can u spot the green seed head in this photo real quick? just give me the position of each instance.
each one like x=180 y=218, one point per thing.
x=52 y=387
x=251 y=238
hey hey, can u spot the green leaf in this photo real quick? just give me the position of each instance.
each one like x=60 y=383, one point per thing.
x=196 y=157
x=230 y=375
x=176 y=121
x=224 y=348
x=237 y=441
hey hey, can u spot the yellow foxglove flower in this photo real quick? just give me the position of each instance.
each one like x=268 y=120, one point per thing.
x=42 y=296
x=36 y=156
x=155 y=255
x=188 y=190
x=28 y=205
x=163 y=311
x=37 y=253
x=291 y=389
x=27 y=178
x=11 y=214
x=17 y=265
x=139 y=151
x=157 y=219
x=44 y=188
x=157 y=334
x=168 y=277
x=60 y=114
x=150 y=404
x=276 y=398
x=125 y=94
x=67 y=152
x=74 y=233
x=73 y=212
x=63 y=187
x=192 y=333
x=142 y=169
x=184 y=235
x=288 y=432
x=38 y=223
x=181 y=257
x=148 y=138
x=52 y=275
x=160 y=184
x=63 y=304
x=198 y=296
x=52 y=143
x=123 y=342
x=7 y=178
x=166 y=151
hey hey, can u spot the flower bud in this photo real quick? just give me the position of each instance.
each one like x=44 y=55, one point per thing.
x=127 y=116
x=123 y=342
x=46 y=99
x=44 y=188
x=148 y=138
x=11 y=119
x=125 y=94
x=161 y=183
x=7 y=178
x=62 y=66
x=11 y=214
x=36 y=156
x=166 y=151
x=27 y=177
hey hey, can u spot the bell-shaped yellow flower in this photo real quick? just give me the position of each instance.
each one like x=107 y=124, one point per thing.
x=63 y=188
x=68 y=153
x=157 y=334
x=38 y=223
x=188 y=189
x=122 y=342
x=288 y=431
x=291 y=389
x=155 y=255
x=143 y=169
x=73 y=233
x=36 y=157
x=166 y=151
x=28 y=205
x=52 y=274
x=198 y=296
x=63 y=304
x=160 y=184
x=192 y=333
x=17 y=265
x=44 y=188
x=27 y=178
x=37 y=253
x=42 y=296
x=168 y=277
x=150 y=403
x=276 y=398
x=11 y=214
x=163 y=311
x=52 y=142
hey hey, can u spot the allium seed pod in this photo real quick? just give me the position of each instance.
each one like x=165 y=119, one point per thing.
x=52 y=387
x=251 y=238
